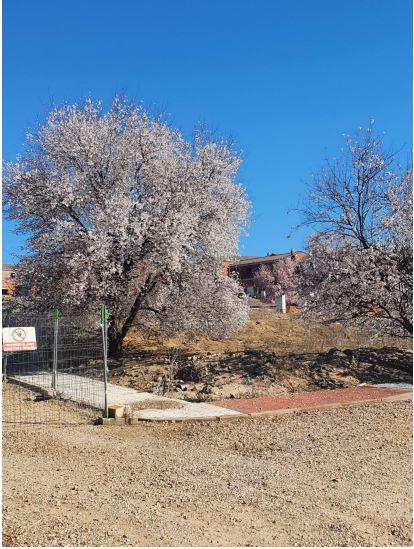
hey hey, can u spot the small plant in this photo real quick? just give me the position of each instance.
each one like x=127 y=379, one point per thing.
x=174 y=359
x=191 y=372
x=57 y=395
x=199 y=397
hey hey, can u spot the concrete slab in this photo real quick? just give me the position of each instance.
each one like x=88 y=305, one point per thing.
x=84 y=389
x=80 y=389
x=91 y=392
x=189 y=412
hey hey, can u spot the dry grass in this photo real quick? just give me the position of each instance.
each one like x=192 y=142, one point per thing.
x=270 y=331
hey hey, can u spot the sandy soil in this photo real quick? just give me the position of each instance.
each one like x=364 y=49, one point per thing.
x=274 y=354
x=338 y=477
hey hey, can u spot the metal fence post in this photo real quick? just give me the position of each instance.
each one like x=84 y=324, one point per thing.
x=104 y=325
x=55 y=346
x=6 y=355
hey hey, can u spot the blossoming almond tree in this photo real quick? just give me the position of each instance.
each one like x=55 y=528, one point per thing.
x=358 y=263
x=277 y=279
x=122 y=211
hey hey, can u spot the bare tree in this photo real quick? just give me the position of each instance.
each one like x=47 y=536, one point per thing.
x=358 y=263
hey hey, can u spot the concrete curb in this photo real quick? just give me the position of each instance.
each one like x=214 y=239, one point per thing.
x=189 y=419
x=269 y=413
x=211 y=412
x=135 y=420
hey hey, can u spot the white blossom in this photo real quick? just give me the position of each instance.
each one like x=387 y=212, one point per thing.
x=122 y=211
x=358 y=264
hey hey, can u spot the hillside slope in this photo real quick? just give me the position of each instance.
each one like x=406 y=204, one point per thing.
x=273 y=354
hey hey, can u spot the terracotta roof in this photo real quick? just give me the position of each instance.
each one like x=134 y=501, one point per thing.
x=254 y=260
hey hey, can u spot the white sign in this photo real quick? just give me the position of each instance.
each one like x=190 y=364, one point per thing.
x=19 y=339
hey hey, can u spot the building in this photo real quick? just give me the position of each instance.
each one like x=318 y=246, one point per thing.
x=246 y=266
x=8 y=280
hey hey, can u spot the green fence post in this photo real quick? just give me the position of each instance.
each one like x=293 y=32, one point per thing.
x=7 y=323
x=55 y=347
x=104 y=325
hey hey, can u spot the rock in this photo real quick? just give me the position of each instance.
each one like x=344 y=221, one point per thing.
x=333 y=351
x=207 y=389
x=116 y=410
x=128 y=410
x=349 y=352
x=47 y=392
x=189 y=372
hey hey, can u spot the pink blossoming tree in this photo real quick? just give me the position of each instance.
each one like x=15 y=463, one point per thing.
x=278 y=279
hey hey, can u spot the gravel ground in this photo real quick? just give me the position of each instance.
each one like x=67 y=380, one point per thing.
x=335 y=477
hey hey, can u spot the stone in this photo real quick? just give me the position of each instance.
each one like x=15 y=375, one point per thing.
x=116 y=410
x=47 y=392
x=128 y=411
x=106 y=421
x=207 y=389
x=111 y=421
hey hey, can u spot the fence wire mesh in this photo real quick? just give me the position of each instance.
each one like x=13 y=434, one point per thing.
x=62 y=381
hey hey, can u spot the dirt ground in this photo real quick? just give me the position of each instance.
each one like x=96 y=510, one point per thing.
x=274 y=354
x=335 y=477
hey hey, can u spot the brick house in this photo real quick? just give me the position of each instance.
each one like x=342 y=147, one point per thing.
x=246 y=266
x=8 y=280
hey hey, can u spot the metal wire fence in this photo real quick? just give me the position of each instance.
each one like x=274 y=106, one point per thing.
x=63 y=380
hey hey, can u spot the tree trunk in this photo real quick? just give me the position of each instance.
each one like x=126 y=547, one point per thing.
x=115 y=341
x=116 y=337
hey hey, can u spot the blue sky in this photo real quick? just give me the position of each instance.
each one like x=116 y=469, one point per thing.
x=284 y=78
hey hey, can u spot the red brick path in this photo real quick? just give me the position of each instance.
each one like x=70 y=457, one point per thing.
x=305 y=401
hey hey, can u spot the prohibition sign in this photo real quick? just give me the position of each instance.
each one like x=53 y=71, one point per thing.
x=19 y=334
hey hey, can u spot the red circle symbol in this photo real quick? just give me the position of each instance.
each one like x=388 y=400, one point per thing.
x=19 y=334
